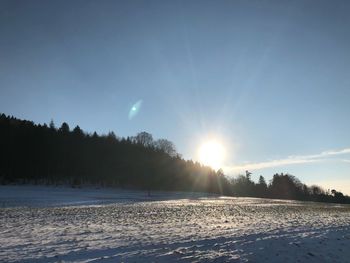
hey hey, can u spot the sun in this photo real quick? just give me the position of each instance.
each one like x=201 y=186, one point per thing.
x=212 y=153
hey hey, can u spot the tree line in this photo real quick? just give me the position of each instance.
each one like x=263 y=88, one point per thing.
x=45 y=154
x=284 y=186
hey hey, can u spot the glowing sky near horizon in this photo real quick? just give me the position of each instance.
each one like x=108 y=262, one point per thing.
x=212 y=153
x=270 y=77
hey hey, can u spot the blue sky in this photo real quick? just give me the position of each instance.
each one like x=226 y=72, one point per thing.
x=269 y=78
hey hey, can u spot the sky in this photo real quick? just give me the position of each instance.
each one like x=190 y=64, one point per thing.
x=269 y=79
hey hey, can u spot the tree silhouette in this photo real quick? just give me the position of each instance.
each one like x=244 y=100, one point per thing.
x=78 y=132
x=64 y=128
x=261 y=187
x=144 y=138
x=166 y=146
x=52 y=125
x=42 y=154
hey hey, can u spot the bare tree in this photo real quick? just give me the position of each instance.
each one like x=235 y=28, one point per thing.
x=316 y=190
x=166 y=146
x=144 y=138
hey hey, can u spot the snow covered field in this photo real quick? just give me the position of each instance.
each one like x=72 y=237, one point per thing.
x=48 y=224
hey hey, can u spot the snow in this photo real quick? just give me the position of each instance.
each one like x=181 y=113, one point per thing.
x=48 y=224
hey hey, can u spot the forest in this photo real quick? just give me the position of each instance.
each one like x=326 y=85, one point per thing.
x=49 y=155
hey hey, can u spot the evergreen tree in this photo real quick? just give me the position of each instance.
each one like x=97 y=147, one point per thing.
x=262 y=187
x=52 y=125
x=64 y=128
x=40 y=154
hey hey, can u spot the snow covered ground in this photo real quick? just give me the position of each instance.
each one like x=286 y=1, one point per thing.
x=48 y=224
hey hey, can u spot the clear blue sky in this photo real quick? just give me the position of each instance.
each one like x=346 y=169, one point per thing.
x=270 y=78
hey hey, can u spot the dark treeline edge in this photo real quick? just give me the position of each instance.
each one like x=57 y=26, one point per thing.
x=43 y=154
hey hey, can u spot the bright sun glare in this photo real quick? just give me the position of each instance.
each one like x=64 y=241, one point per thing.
x=212 y=153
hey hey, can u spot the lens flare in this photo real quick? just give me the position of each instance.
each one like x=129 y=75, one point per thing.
x=134 y=110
